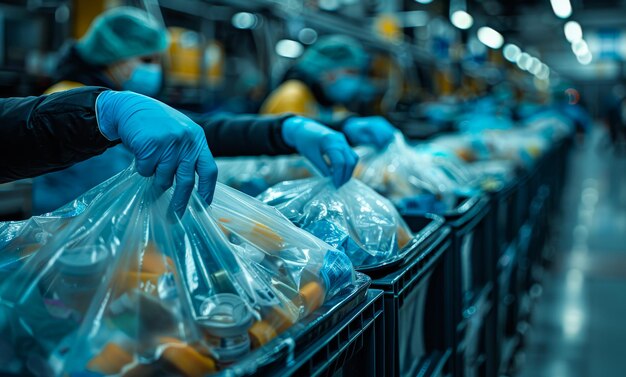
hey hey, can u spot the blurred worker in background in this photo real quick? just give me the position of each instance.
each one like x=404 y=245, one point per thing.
x=327 y=77
x=122 y=50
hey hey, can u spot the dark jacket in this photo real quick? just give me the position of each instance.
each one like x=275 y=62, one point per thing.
x=49 y=133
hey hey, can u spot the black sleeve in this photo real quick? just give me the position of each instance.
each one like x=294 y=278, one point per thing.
x=48 y=133
x=244 y=135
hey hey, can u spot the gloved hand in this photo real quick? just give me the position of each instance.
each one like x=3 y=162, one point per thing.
x=165 y=143
x=317 y=142
x=375 y=130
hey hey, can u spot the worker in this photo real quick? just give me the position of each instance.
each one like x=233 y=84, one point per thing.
x=49 y=133
x=326 y=78
x=122 y=50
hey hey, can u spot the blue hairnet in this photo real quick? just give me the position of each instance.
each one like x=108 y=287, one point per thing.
x=122 y=33
x=332 y=52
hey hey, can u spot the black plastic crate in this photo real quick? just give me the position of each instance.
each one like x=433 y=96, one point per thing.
x=354 y=347
x=474 y=271
x=505 y=305
x=418 y=320
x=506 y=220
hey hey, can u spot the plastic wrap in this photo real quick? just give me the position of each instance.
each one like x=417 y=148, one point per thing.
x=253 y=175
x=19 y=239
x=126 y=288
x=353 y=218
x=400 y=173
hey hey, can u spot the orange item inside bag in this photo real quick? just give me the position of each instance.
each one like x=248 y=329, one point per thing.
x=110 y=360
x=313 y=295
x=261 y=333
x=403 y=237
x=187 y=359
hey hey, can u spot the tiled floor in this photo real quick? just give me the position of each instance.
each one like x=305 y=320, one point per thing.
x=579 y=323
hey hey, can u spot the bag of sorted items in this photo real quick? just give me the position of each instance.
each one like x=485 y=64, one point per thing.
x=126 y=288
x=399 y=173
x=352 y=218
x=253 y=175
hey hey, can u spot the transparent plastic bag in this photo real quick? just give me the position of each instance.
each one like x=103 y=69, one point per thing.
x=126 y=288
x=20 y=239
x=353 y=218
x=400 y=173
x=253 y=175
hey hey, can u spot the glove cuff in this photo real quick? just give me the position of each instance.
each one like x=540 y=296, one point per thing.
x=107 y=123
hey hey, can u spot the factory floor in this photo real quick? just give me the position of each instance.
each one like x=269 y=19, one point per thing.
x=579 y=322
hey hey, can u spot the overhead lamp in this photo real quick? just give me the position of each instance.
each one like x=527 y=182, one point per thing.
x=424 y=1
x=585 y=59
x=573 y=31
x=244 y=20
x=461 y=19
x=562 y=8
x=490 y=37
x=544 y=72
x=523 y=61
x=580 y=47
x=511 y=52
x=289 y=49
x=535 y=66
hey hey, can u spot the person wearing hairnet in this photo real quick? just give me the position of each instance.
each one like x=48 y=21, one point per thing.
x=328 y=76
x=122 y=51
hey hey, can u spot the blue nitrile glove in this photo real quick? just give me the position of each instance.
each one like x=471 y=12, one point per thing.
x=317 y=142
x=375 y=130
x=165 y=143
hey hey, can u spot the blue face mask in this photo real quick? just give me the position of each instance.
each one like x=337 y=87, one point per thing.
x=344 y=89
x=146 y=79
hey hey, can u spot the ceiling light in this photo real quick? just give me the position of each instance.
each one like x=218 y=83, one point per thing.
x=461 y=19
x=562 y=8
x=573 y=31
x=244 y=20
x=535 y=66
x=580 y=47
x=288 y=48
x=511 y=52
x=490 y=37
x=544 y=72
x=585 y=58
x=523 y=61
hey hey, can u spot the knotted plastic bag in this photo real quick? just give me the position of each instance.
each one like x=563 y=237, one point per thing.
x=399 y=173
x=126 y=288
x=353 y=218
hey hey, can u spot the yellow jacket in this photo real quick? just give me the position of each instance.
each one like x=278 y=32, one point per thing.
x=295 y=97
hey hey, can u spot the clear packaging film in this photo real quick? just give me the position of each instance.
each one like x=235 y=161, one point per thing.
x=353 y=218
x=126 y=288
x=20 y=239
x=399 y=173
x=253 y=175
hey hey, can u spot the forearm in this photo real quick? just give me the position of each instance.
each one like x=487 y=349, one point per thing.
x=48 y=133
x=244 y=135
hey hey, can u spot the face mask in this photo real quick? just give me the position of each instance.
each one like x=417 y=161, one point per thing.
x=146 y=79
x=344 y=89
